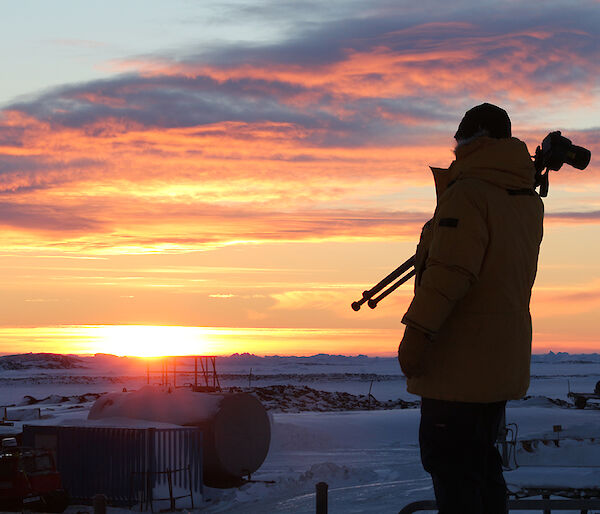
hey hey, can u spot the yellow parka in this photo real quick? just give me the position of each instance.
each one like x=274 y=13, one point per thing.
x=476 y=264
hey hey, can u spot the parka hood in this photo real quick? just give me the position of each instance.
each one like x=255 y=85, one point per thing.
x=503 y=162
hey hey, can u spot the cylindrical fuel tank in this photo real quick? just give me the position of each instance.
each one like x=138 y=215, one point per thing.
x=236 y=431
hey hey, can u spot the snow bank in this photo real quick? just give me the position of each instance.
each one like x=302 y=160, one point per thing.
x=565 y=452
x=540 y=401
x=362 y=429
x=291 y=436
x=284 y=494
x=21 y=414
x=553 y=477
x=538 y=422
x=330 y=472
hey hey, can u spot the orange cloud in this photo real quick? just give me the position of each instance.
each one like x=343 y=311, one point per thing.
x=452 y=59
x=117 y=186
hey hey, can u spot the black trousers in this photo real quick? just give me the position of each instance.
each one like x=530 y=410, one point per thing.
x=457 y=449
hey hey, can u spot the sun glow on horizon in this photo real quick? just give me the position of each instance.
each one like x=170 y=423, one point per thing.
x=148 y=341
x=166 y=340
x=152 y=341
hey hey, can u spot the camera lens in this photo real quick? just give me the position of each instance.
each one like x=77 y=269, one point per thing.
x=578 y=157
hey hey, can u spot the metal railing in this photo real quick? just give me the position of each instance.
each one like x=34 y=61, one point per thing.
x=145 y=499
x=545 y=505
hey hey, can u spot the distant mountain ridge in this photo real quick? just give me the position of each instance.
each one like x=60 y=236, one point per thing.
x=68 y=361
x=323 y=358
x=565 y=357
x=41 y=361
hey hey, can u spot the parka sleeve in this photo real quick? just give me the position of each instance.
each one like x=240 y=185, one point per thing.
x=459 y=242
x=422 y=251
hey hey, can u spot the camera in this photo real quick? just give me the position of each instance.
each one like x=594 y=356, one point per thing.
x=555 y=151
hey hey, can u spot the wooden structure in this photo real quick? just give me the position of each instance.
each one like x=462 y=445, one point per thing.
x=204 y=372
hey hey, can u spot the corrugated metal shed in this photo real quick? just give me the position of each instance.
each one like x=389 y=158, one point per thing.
x=128 y=465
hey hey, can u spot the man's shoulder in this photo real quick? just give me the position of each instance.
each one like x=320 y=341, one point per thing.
x=468 y=189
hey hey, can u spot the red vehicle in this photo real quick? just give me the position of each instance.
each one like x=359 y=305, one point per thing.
x=29 y=480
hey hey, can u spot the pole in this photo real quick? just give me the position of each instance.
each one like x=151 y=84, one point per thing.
x=321 y=489
x=546 y=497
x=99 y=501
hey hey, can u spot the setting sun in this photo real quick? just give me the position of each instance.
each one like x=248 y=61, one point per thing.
x=151 y=341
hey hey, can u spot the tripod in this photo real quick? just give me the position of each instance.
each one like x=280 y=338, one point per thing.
x=367 y=296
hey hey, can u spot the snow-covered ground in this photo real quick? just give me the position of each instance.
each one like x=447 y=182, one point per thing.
x=369 y=458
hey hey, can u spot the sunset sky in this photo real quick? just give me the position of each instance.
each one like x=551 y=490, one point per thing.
x=215 y=177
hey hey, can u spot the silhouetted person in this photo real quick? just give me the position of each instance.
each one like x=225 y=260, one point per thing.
x=466 y=348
